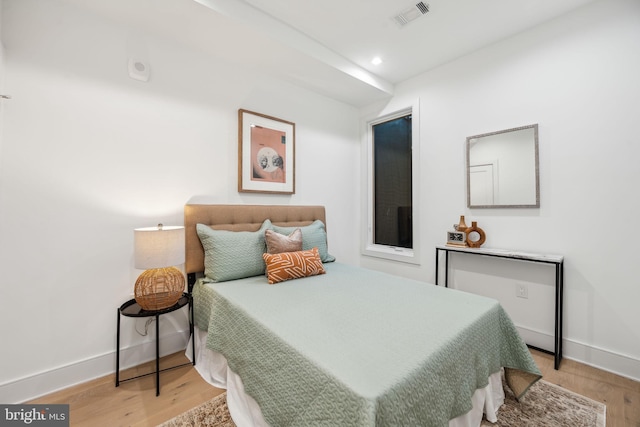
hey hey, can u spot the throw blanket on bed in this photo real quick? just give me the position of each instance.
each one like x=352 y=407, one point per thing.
x=359 y=347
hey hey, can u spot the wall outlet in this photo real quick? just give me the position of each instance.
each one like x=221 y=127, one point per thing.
x=522 y=290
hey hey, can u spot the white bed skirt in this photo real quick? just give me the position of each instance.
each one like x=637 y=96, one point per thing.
x=213 y=367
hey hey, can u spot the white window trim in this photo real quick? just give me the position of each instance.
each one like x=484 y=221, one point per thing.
x=385 y=251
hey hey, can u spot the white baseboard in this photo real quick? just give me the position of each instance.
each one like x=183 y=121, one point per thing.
x=607 y=360
x=619 y=364
x=43 y=383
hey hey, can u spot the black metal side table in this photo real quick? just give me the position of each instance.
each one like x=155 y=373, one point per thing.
x=132 y=309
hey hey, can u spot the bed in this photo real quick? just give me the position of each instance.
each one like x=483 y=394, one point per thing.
x=345 y=345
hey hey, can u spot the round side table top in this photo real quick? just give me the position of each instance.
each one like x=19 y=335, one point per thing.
x=132 y=309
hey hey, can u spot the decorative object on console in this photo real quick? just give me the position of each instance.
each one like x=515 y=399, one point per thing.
x=475 y=235
x=462 y=226
x=158 y=250
x=456 y=238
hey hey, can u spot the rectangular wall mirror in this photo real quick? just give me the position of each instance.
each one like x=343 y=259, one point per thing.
x=502 y=169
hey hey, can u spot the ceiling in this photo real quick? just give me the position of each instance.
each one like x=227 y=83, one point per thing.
x=327 y=46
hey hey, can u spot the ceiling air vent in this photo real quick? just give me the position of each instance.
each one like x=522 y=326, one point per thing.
x=409 y=15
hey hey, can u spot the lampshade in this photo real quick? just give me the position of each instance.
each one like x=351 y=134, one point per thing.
x=157 y=247
x=158 y=250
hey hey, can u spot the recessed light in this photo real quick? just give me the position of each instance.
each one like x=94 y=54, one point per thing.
x=376 y=61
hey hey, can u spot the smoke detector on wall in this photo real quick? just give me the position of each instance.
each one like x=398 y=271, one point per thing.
x=414 y=12
x=139 y=69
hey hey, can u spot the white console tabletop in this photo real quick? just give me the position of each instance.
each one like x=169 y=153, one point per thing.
x=557 y=260
x=505 y=253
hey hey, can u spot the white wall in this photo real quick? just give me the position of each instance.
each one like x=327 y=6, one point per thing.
x=576 y=76
x=89 y=154
x=1 y=79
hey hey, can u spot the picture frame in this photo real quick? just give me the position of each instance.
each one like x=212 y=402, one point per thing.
x=266 y=154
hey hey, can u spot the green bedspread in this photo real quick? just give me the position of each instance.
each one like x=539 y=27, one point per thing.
x=358 y=347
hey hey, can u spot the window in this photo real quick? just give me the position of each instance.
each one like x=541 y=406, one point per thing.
x=392 y=197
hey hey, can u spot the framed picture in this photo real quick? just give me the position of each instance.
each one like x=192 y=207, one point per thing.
x=266 y=148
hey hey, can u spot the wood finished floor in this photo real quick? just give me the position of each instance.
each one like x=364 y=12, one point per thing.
x=134 y=403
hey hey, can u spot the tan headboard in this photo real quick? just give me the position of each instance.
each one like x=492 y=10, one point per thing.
x=239 y=218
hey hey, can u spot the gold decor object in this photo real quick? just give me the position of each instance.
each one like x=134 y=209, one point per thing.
x=158 y=250
x=462 y=226
x=475 y=235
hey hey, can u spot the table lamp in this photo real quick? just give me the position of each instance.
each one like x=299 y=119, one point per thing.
x=158 y=250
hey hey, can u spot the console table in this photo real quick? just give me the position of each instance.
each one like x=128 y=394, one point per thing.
x=557 y=260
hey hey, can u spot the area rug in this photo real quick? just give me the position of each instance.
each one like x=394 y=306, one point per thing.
x=548 y=405
x=213 y=413
x=545 y=405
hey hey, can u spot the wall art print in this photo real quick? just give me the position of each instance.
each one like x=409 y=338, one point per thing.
x=266 y=148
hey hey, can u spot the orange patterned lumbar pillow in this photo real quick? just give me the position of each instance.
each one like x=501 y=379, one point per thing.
x=292 y=265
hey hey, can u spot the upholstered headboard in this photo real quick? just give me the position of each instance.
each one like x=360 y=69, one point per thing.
x=239 y=218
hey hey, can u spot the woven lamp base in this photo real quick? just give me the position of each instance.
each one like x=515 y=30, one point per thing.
x=159 y=288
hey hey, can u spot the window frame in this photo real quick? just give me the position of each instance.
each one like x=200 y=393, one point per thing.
x=369 y=248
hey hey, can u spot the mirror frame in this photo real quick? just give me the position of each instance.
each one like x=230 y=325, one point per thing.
x=537 y=168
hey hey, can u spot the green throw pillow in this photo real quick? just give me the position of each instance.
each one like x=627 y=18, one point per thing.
x=230 y=255
x=314 y=235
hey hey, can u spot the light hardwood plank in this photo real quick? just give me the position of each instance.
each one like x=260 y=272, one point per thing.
x=620 y=394
x=134 y=403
